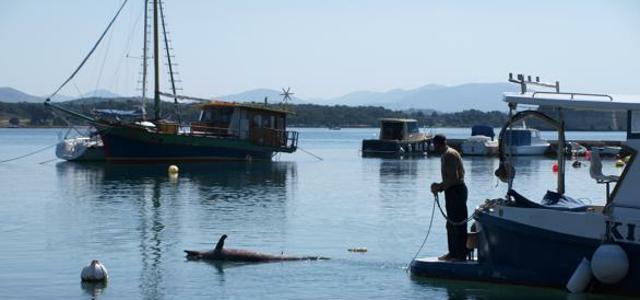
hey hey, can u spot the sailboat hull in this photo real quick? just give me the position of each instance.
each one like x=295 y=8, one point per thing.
x=129 y=144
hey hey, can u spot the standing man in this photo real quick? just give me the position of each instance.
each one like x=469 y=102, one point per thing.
x=455 y=194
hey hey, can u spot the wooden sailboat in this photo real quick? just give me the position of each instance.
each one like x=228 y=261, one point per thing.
x=224 y=130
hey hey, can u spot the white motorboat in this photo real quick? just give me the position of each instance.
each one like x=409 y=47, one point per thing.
x=558 y=242
x=481 y=142
x=82 y=148
x=524 y=141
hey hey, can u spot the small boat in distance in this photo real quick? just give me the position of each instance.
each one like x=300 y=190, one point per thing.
x=525 y=141
x=397 y=137
x=481 y=143
x=84 y=148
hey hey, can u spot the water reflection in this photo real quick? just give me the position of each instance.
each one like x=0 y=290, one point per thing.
x=407 y=168
x=468 y=290
x=93 y=289
x=151 y=243
x=204 y=197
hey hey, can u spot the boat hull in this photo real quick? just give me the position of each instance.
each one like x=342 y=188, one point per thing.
x=394 y=148
x=80 y=149
x=529 y=150
x=518 y=253
x=133 y=144
x=478 y=149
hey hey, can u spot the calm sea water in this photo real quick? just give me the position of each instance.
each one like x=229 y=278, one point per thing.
x=58 y=216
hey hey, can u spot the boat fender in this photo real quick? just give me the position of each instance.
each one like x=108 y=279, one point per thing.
x=609 y=263
x=173 y=169
x=581 y=277
x=94 y=272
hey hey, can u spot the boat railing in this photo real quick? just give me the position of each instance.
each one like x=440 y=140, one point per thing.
x=200 y=129
x=291 y=141
x=573 y=94
x=284 y=140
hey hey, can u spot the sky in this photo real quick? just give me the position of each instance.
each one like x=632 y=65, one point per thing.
x=325 y=48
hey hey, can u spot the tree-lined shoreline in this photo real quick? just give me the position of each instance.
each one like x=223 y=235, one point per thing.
x=36 y=115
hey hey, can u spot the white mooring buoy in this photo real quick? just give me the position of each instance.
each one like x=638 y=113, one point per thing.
x=94 y=272
x=581 y=277
x=609 y=263
x=173 y=169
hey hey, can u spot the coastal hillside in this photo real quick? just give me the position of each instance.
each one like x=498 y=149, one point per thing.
x=307 y=115
x=11 y=95
x=480 y=96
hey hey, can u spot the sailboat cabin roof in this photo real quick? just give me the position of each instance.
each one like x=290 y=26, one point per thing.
x=575 y=100
x=247 y=106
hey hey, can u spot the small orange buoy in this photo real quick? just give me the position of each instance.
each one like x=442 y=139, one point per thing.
x=555 y=167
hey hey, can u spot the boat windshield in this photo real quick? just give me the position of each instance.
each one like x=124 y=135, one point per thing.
x=634 y=123
x=518 y=137
x=412 y=127
x=392 y=131
x=219 y=116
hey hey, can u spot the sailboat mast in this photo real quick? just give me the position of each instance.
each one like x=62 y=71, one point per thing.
x=156 y=62
x=169 y=63
x=144 y=58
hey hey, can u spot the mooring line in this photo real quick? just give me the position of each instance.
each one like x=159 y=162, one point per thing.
x=307 y=152
x=433 y=214
x=47 y=161
x=28 y=154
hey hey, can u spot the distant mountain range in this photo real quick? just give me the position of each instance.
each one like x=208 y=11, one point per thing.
x=258 y=95
x=480 y=96
x=11 y=95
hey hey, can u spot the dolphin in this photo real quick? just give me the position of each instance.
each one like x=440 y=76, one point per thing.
x=238 y=255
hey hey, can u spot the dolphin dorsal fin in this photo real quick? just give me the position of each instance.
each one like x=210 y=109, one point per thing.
x=220 y=243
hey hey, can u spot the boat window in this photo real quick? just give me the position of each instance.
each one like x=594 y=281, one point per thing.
x=518 y=137
x=219 y=115
x=412 y=127
x=280 y=124
x=634 y=123
x=392 y=131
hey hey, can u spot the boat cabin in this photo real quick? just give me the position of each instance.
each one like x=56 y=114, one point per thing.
x=399 y=129
x=397 y=137
x=258 y=124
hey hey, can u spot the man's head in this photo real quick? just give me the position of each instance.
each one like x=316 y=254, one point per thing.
x=440 y=143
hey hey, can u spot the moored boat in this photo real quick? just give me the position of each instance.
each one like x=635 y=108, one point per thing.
x=525 y=141
x=397 y=137
x=224 y=131
x=481 y=142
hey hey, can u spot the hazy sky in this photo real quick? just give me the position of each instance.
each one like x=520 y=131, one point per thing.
x=326 y=48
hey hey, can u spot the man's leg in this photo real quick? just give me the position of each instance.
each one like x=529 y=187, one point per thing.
x=456 y=198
